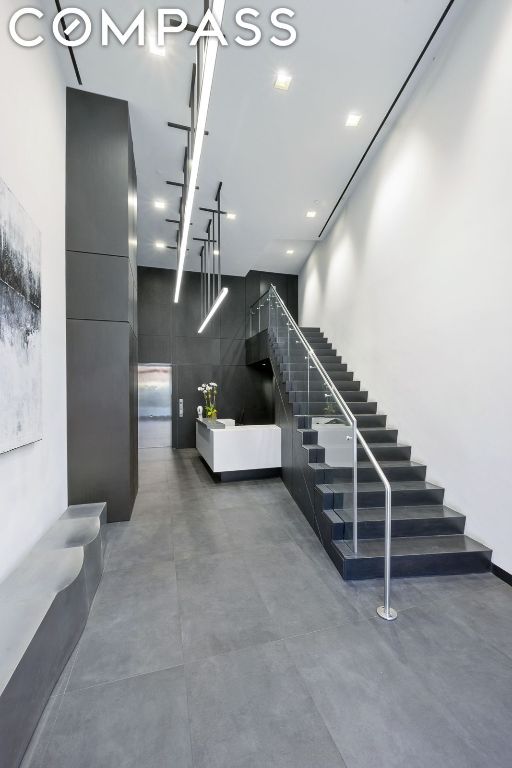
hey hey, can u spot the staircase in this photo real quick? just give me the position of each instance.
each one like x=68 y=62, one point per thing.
x=427 y=536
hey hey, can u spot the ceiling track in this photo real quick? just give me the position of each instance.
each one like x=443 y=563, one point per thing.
x=389 y=112
x=71 y=51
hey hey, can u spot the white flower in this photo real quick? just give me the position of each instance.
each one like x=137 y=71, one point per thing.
x=212 y=384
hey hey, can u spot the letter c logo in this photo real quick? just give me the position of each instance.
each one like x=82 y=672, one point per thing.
x=12 y=27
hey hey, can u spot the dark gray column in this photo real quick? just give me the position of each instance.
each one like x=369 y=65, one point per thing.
x=101 y=285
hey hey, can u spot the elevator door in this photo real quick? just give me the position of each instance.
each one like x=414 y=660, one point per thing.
x=155 y=409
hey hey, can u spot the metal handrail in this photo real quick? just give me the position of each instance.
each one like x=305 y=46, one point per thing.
x=385 y=611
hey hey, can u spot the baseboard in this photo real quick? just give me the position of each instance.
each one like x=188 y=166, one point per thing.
x=244 y=474
x=501 y=574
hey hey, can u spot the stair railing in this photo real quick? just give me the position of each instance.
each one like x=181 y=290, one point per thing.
x=384 y=611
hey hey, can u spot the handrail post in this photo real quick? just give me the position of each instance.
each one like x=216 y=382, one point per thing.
x=354 y=492
x=385 y=611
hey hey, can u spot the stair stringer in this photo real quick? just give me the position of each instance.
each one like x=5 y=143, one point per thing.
x=295 y=459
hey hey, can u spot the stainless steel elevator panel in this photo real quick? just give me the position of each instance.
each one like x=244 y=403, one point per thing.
x=155 y=406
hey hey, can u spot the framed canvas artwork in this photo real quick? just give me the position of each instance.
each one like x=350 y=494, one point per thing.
x=20 y=325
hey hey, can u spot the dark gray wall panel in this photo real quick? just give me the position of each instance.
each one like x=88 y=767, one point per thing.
x=155 y=286
x=154 y=319
x=186 y=380
x=232 y=311
x=232 y=352
x=246 y=395
x=196 y=351
x=292 y=296
x=97 y=287
x=97 y=174
x=154 y=349
x=99 y=439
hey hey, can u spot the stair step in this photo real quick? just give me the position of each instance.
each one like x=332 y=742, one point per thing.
x=412 y=556
x=294 y=347
x=316 y=385
x=287 y=361
x=386 y=451
x=309 y=436
x=316 y=395
x=342 y=385
x=330 y=408
x=366 y=473
x=379 y=435
x=300 y=366
x=407 y=521
x=403 y=493
x=314 y=374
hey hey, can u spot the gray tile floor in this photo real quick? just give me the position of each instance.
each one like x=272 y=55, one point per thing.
x=221 y=636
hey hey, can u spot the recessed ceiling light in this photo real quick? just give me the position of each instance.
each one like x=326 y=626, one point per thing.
x=283 y=81
x=160 y=204
x=290 y=252
x=353 y=120
x=159 y=245
x=311 y=214
x=154 y=48
x=231 y=216
x=216 y=252
x=132 y=241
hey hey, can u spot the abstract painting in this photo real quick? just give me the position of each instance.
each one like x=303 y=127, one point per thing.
x=20 y=325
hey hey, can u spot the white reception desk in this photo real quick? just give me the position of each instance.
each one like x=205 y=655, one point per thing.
x=235 y=453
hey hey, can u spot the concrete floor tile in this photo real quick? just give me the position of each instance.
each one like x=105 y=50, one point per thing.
x=133 y=627
x=295 y=595
x=375 y=709
x=250 y=708
x=133 y=723
x=220 y=607
x=135 y=542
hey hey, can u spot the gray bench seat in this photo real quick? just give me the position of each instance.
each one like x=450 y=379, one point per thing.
x=44 y=605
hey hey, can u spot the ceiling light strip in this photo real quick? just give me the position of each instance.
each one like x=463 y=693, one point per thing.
x=202 y=114
x=218 y=301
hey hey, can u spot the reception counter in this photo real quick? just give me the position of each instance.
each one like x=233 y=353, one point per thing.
x=237 y=453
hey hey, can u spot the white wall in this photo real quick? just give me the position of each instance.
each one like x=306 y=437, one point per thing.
x=414 y=282
x=33 y=484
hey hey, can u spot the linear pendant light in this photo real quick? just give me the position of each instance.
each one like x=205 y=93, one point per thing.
x=218 y=301
x=202 y=114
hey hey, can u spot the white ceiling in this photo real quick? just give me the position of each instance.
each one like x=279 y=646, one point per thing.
x=277 y=153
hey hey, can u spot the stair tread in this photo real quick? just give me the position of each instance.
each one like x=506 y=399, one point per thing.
x=378 y=514
x=416 y=545
x=386 y=464
x=396 y=485
x=387 y=445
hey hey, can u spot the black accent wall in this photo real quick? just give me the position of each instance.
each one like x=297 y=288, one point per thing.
x=168 y=334
x=101 y=301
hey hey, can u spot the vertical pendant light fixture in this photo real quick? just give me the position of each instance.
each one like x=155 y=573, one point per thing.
x=212 y=292
x=202 y=84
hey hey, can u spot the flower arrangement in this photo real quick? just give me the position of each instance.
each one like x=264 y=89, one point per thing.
x=209 y=392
